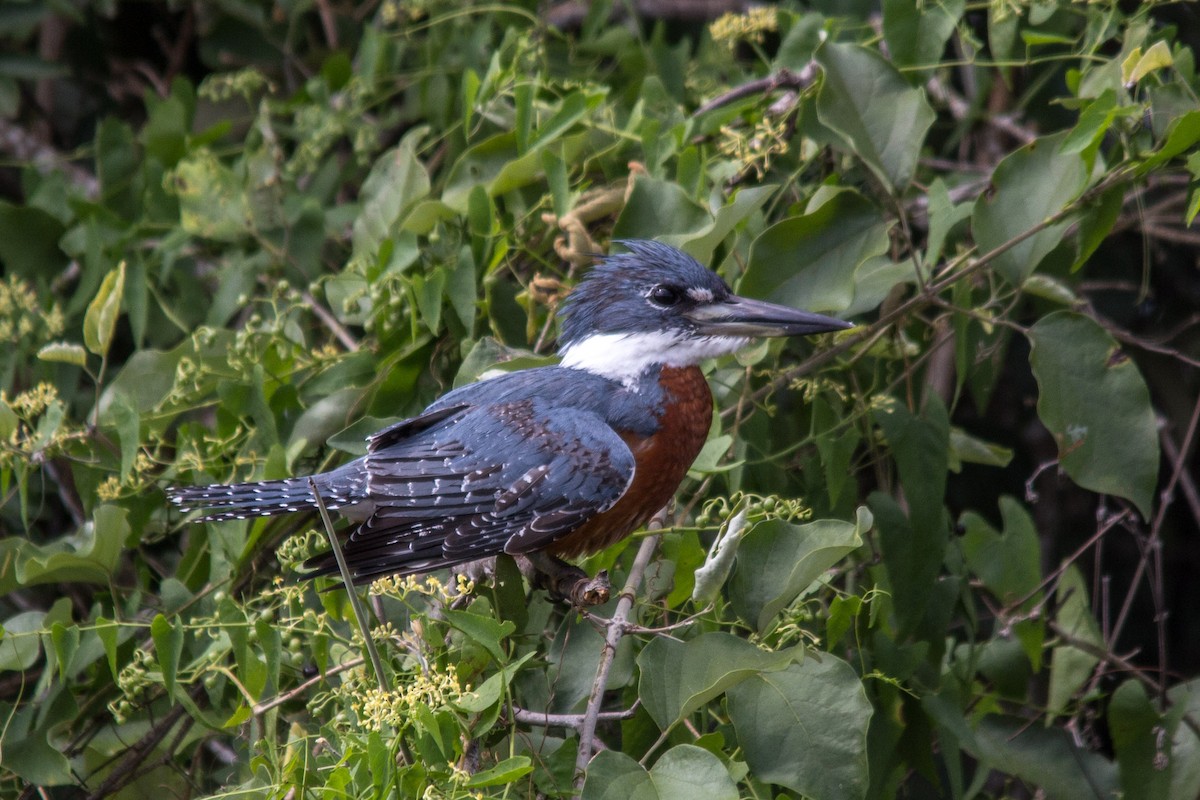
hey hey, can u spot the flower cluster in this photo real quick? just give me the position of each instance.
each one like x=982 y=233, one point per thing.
x=752 y=26
x=247 y=83
x=755 y=149
x=144 y=473
x=22 y=318
x=32 y=426
x=400 y=587
x=378 y=709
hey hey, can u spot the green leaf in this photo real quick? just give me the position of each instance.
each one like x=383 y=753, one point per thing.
x=778 y=560
x=679 y=677
x=168 y=646
x=168 y=123
x=1193 y=204
x=1070 y=666
x=488 y=694
x=843 y=611
x=88 y=557
x=496 y=165
x=1008 y=562
x=428 y=290
x=944 y=215
x=685 y=772
x=709 y=458
x=1096 y=405
x=461 y=289
x=570 y=110
x=917 y=32
x=147 y=378
x=328 y=416
x=507 y=771
x=965 y=448
x=29 y=241
x=128 y=424
x=836 y=444
x=109 y=633
x=484 y=631
x=914 y=548
x=64 y=353
x=395 y=184
x=879 y=116
x=1094 y=121
x=1029 y=186
x=810 y=261
x=100 y=321
x=1034 y=38
x=1138 y=65
x=1052 y=289
x=1143 y=754
x=1045 y=758
x=470 y=90
x=801 y=41
x=1184 y=698
x=741 y=207
x=270 y=645
x=805 y=728
x=20 y=644
x=65 y=639
x=30 y=754
x=660 y=210
x=213 y=201
x=1181 y=135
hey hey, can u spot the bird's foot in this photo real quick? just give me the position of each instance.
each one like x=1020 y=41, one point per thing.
x=565 y=581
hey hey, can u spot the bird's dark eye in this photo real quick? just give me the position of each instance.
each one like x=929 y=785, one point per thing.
x=664 y=295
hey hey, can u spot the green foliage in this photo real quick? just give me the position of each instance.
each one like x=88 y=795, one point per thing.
x=310 y=220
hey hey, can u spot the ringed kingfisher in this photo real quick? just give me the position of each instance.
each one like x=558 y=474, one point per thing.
x=557 y=461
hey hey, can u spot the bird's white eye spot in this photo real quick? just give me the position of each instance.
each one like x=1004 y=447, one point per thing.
x=665 y=295
x=700 y=295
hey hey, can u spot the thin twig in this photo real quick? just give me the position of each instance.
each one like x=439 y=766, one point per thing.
x=359 y=612
x=1122 y=664
x=339 y=331
x=28 y=148
x=616 y=629
x=1164 y=503
x=783 y=79
x=960 y=109
x=126 y=771
x=1104 y=528
x=328 y=23
x=1190 y=493
x=948 y=277
x=290 y=694
x=574 y=721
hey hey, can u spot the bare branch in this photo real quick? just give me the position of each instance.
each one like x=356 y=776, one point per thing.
x=616 y=629
x=783 y=79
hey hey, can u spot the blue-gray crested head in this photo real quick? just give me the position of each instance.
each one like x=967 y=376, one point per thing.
x=657 y=306
x=644 y=290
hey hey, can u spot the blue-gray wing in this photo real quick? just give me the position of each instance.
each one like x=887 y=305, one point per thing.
x=479 y=481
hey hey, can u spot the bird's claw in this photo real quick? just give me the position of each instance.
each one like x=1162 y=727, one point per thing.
x=563 y=581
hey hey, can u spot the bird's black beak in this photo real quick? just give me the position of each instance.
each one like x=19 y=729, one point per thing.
x=741 y=316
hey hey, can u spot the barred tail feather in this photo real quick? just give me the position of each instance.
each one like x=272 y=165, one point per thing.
x=221 y=502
